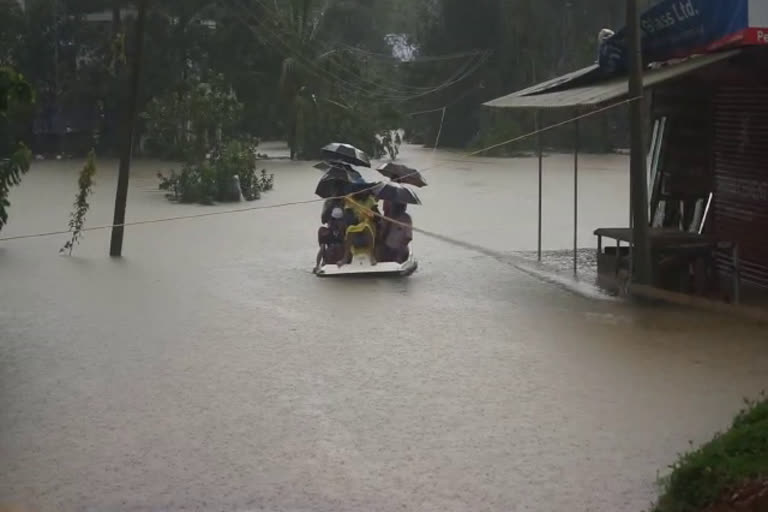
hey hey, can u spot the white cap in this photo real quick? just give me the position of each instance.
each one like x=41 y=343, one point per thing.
x=337 y=213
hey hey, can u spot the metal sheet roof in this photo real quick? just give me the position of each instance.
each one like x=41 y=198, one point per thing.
x=602 y=91
x=560 y=82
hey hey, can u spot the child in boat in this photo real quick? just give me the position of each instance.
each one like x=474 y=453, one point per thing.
x=330 y=204
x=360 y=239
x=362 y=205
x=331 y=239
x=361 y=230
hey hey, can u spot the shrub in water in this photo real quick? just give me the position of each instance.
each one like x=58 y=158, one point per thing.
x=227 y=174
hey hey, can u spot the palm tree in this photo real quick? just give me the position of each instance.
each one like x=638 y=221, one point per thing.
x=321 y=93
x=298 y=22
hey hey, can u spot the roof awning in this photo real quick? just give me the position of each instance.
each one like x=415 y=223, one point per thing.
x=599 y=92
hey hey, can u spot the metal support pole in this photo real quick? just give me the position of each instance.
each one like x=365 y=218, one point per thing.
x=56 y=52
x=638 y=173
x=539 y=152
x=576 y=196
x=736 y=274
x=116 y=243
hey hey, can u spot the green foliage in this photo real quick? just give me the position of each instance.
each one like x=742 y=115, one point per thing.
x=331 y=92
x=13 y=89
x=189 y=122
x=291 y=63
x=522 y=54
x=11 y=170
x=700 y=477
x=15 y=158
x=236 y=159
x=17 y=101
x=755 y=411
x=498 y=126
x=266 y=181
x=366 y=125
x=196 y=183
x=9 y=29
x=77 y=217
x=215 y=179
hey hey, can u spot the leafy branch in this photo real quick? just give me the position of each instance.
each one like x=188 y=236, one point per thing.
x=77 y=217
x=14 y=158
x=11 y=170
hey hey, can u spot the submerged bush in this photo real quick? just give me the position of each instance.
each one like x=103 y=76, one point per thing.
x=226 y=174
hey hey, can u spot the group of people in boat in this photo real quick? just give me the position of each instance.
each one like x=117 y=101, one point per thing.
x=354 y=225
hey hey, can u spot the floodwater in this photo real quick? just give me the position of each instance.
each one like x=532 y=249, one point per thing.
x=210 y=370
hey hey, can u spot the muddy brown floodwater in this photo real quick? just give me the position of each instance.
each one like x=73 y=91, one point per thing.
x=210 y=370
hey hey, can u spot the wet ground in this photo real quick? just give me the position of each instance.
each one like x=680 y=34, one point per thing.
x=210 y=370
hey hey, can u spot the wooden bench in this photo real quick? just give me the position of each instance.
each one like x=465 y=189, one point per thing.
x=670 y=249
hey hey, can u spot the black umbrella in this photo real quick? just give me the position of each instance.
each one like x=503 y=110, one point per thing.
x=346 y=153
x=339 y=181
x=396 y=193
x=402 y=174
x=329 y=164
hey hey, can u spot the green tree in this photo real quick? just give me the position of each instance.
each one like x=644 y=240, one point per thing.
x=188 y=123
x=15 y=158
x=329 y=90
x=528 y=42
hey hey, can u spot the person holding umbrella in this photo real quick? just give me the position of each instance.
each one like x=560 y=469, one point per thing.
x=331 y=239
x=337 y=181
x=402 y=174
x=396 y=233
x=336 y=201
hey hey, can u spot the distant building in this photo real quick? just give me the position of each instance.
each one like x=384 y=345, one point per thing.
x=105 y=16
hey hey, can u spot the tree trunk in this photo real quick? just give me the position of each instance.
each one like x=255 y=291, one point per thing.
x=116 y=19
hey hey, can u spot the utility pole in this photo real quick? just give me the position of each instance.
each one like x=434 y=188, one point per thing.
x=641 y=253
x=56 y=52
x=116 y=244
x=115 y=19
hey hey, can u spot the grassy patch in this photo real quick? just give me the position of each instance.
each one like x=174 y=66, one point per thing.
x=700 y=477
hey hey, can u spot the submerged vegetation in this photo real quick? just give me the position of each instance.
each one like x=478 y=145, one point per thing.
x=229 y=174
x=733 y=461
x=81 y=206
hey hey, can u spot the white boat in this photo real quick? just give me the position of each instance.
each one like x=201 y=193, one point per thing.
x=361 y=265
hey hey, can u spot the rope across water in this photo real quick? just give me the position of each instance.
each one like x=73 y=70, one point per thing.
x=317 y=200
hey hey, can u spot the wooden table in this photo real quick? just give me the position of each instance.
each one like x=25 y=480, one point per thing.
x=671 y=241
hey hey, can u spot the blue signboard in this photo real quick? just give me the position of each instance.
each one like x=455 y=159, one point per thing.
x=678 y=28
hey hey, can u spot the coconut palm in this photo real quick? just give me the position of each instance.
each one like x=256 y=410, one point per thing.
x=299 y=23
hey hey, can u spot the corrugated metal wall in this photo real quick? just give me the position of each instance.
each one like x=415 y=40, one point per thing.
x=740 y=171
